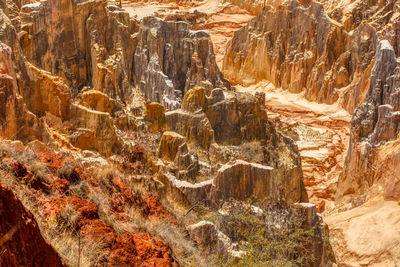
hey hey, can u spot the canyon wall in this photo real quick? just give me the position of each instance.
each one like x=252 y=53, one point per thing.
x=299 y=48
x=170 y=59
x=374 y=131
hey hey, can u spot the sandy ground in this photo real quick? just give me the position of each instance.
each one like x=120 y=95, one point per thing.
x=368 y=235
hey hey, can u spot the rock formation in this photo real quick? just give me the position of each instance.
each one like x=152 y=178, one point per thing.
x=374 y=124
x=170 y=59
x=222 y=127
x=299 y=48
x=89 y=44
x=123 y=112
x=21 y=242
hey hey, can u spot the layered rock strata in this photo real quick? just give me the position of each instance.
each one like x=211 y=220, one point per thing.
x=170 y=59
x=299 y=48
x=374 y=129
x=215 y=130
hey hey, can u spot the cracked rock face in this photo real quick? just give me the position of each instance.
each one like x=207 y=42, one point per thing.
x=374 y=125
x=209 y=132
x=297 y=47
x=170 y=59
x=88 y=44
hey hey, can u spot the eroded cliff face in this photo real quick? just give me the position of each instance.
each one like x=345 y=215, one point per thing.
x=170 y=59
x=299 y=48
x=77 y=94
x=218 y=130
x=375 y=126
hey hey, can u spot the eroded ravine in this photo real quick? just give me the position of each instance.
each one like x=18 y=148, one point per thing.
x=320 y=131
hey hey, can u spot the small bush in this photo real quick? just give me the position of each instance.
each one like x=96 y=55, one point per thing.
x=275 y=237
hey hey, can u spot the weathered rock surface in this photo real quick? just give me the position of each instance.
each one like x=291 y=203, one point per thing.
x=307 y=52
x=16 y=121
x=212 y=240
x=242 y=180
x=374 y=123
x=88 y=44
x=293 y=47
x=366 y=235
x=170 y=59
x=101 y=126
x=219 y=128
x=21 y=242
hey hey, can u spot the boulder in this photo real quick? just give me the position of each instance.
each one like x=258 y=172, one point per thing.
x=170 y=144
x=194 y=100
x=99 y=101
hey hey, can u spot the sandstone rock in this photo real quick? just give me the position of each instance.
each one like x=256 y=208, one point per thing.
x=170 y=59
x=174 y=149
x=185 y=192
x=212 y=240
x=22 y=244
x=195 y=127
x=99 y=101
x=100 y=124
x=352 y=233
x=239 y=117
x=50 y=94
x=84 y=139
x=229 y=117
x=360 y=56
x=194 y=100
x=309 y=52
x=292 y=46
x=16 y=121
x=374 y=123
x=242 y=180
x=154 y=113
x=169 y=145
x=88 y=44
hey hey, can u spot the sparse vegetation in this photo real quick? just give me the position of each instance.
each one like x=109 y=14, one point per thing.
x=272 y=236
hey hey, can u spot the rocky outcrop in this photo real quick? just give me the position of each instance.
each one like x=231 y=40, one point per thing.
x=227 y=117
x=213 y=131
x=374 y=124
x=292 y=46
x=212 y=240
x=21 y=242
x=354 y=231
x=307 y=53
x=99 y=101
x=89 y=43
x=170 y=59
x=16 y=121
x=242 y=180
x=101 y=130
x=154 y=114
